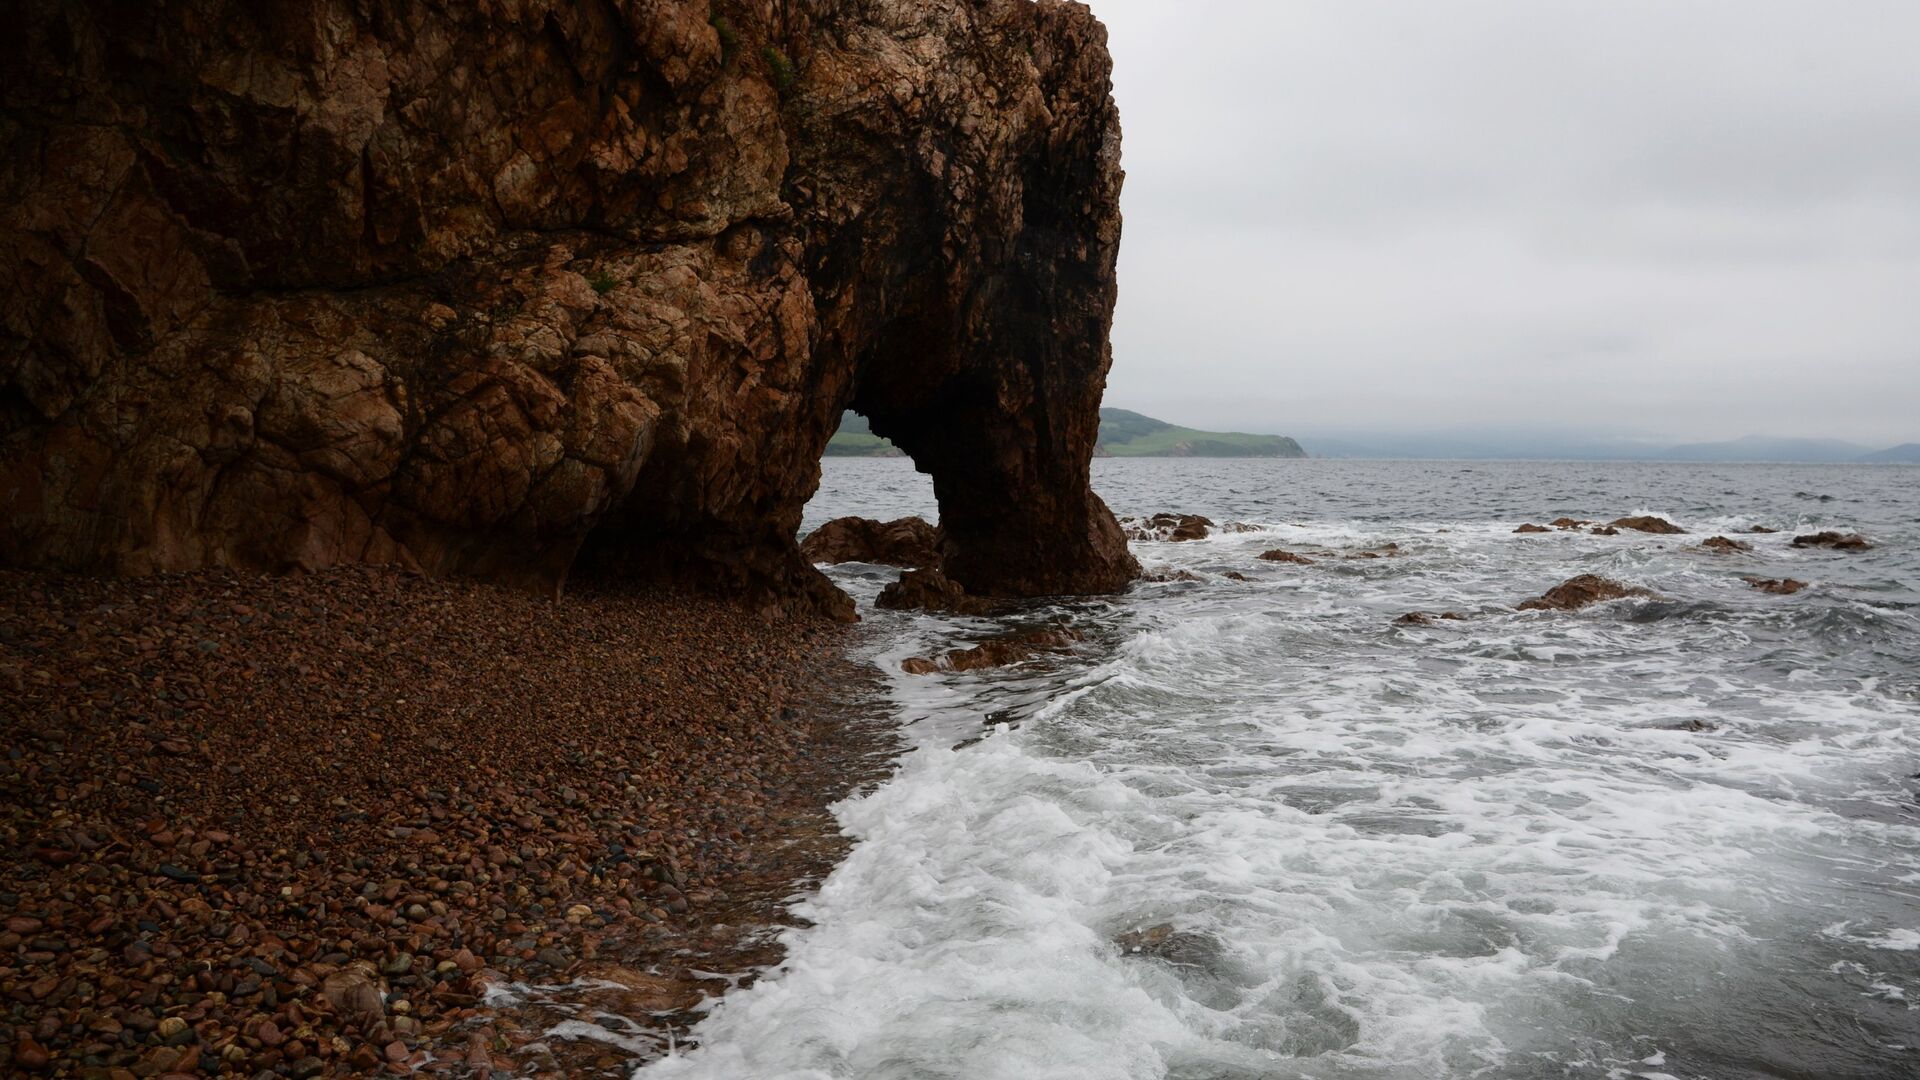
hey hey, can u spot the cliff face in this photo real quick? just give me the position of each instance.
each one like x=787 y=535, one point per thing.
x=505 y=288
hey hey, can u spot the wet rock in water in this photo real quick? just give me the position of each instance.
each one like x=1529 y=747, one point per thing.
x=1778 y=586
x=1761 y=529
x=643 y=993
x=1836 y=540
x=1165 y=576
x=1647 y=523
x=1421 y=618
x=1530 y=527
x=1721 y=545
x=1168 y=527
x=1282 y=555
x=927 y=589
x=995 y=652
x=1604 y=530
x=1578 y=592
x=1387 y=550
x=907 y=541
x=1571 y=523
x=1182 y=948
x=1692 y=725
x=1234 y=575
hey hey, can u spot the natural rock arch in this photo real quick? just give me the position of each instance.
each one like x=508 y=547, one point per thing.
x=567 y=286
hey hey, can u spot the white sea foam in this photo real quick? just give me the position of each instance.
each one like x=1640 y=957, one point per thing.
x=1597 y=844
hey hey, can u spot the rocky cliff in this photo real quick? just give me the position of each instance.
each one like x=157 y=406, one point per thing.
x=518 y=289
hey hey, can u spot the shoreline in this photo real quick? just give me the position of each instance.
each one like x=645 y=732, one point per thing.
x=334 y=823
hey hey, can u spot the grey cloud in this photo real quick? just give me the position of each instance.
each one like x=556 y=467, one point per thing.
x=1692 y=219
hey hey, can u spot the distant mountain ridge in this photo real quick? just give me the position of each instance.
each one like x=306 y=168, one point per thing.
x=1907 y=453
x=1543 y=446
x=1123 y=433
x=1767 y=448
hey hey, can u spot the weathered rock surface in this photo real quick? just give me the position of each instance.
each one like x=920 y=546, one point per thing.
x=1777 y=586
x=1570 y=523
x=1724 y=545
x=907 y=541
x=503 y=291
x=1835 y=540
x=1578 y=592
x=1647 y=523
x=1530 y=527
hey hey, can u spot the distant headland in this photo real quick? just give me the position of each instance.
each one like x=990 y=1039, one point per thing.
x=1123 y=433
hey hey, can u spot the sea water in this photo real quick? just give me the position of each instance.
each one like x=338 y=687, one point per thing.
x=1259 y=829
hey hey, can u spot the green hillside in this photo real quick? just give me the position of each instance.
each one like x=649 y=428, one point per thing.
x=1129 y=434
x=856 y=439
x=1122 y=434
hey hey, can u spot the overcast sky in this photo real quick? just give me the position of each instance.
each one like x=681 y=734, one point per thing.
x=1685 y=219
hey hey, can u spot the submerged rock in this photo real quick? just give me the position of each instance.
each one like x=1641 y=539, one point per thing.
x=1282 y=555
x=1721 y=545
x=995 y=652
x=907 y=541
x=1530 y=527
x=1570 y=523
x=1835 y=540
x=1760 y=529
x=1647 y=523
x=1604 y=530
x=1578 y=592
x=1421 y=618
x=1778 y=586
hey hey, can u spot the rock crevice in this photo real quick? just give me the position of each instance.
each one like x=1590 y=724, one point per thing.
x=560 y=286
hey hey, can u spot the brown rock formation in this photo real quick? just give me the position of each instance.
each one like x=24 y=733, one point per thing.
x=1569 y=523
x=489 y=290
x=1835 y=540
x=1576 y=593
x=905 y=541
x=1723 y=545
x=1646 y=523
x=1778 y=586
x=1530 y=527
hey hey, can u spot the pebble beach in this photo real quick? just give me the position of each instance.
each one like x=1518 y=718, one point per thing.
x=360 y=821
